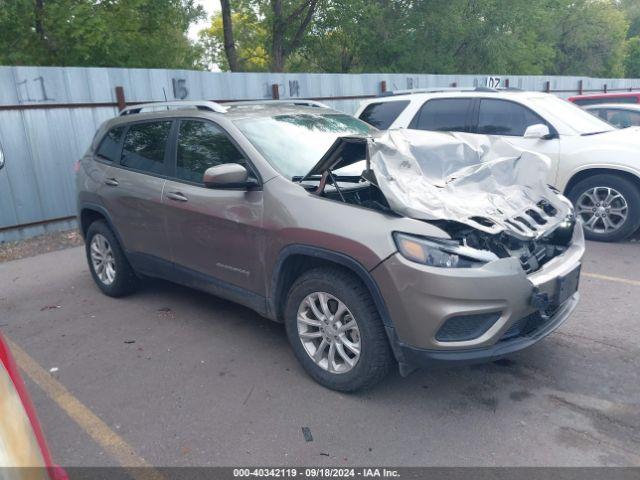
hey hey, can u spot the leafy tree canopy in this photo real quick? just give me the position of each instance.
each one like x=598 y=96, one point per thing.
x=563 y=37
x=570 y=37
x=109 y=33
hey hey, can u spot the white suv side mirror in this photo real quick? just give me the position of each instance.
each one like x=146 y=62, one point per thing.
x=537 y=131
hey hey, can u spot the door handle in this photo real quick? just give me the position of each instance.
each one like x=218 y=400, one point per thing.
x=112 y=182
x=177 y=196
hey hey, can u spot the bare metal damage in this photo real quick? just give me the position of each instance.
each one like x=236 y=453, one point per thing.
x=483 y=182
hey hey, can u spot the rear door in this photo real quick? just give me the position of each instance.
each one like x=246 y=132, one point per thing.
x=132 y=190
x=444 y=115
x=509 y=120
x=213 y=232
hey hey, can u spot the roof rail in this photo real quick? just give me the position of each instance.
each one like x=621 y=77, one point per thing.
x=292 y=101
x=411 y=91
x=178 y=104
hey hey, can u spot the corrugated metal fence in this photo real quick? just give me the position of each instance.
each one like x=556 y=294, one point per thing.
x=48 y=116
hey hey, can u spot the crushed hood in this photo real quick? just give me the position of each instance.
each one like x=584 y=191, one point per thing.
x=481 y=181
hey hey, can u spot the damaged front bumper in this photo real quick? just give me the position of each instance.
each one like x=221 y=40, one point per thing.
x=475 y=314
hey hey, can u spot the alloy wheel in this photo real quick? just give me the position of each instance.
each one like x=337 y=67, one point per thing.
x=602 y=209
x=102 y=259
x=329 y=333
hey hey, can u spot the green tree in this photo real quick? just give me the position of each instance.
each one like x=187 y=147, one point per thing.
x=590 y=39
x=123 y=33
x=250 y=40
x=632 y=60
x=283 y=25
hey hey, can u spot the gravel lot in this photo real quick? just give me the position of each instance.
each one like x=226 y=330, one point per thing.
x=188 y=379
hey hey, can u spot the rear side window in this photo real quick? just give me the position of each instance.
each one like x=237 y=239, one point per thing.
x=145 y=145
x=109 y=149
x=502 y=117
x=595 y=101
x=202 y=145
x=381 y=115
x=443 y=115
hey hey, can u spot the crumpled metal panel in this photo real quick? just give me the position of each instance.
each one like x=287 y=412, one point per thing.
x=484 y=182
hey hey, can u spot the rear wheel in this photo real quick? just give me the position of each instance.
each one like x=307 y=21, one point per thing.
x=609 y=206
x=335 y=330
x=109 y=267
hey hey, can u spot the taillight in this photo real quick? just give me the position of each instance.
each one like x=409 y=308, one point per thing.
x=22 y=443
x=76 y=166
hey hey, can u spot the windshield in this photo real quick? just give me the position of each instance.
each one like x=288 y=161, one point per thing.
x=294 y=142
x=571 y=115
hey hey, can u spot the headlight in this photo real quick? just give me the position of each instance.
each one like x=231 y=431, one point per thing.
x=441 y=253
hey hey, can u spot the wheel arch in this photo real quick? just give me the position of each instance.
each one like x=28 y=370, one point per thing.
x=588 y=172
x=294 y=260
x=90 y=213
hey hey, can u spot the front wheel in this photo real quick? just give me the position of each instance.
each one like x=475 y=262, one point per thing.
x=335 y=330
x=609 y=206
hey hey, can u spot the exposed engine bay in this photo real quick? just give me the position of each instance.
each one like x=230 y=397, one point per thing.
x=483 y=192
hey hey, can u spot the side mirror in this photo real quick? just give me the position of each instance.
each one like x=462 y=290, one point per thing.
x=537 y=131
x=1 y=158
x=231 y=176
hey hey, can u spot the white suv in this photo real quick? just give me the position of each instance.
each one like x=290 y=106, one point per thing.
x=595 y=165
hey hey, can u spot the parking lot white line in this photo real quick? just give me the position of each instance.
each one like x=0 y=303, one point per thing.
x=626 y=281
x=97 y=429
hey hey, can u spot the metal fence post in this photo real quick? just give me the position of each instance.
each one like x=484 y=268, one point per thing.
x=122 y=103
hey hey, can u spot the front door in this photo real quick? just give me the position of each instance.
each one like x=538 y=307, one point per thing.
x=215 y=234
x=509 y=120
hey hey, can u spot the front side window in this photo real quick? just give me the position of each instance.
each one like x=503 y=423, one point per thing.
x=382 y=114
x=202 y=145
x=599 y=113
x=623 y=118
x=109 y=149
x=145 y=145
x=502 y=117
x=443 y=115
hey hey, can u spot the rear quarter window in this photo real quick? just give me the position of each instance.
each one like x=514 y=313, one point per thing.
x=110 y=147
x=382 y=114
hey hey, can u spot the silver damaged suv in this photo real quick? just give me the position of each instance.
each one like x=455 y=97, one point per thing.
x=374 y=248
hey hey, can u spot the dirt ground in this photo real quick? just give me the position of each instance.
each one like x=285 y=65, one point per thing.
x=49 y=242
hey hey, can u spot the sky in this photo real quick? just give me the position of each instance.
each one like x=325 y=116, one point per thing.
x=211 y=6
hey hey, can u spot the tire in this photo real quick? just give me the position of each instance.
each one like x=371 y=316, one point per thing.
x=375 y=358
x=123 y=280
x=599 y=187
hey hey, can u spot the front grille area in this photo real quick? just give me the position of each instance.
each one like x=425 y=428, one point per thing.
x=534 y=254
x=466 y=327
